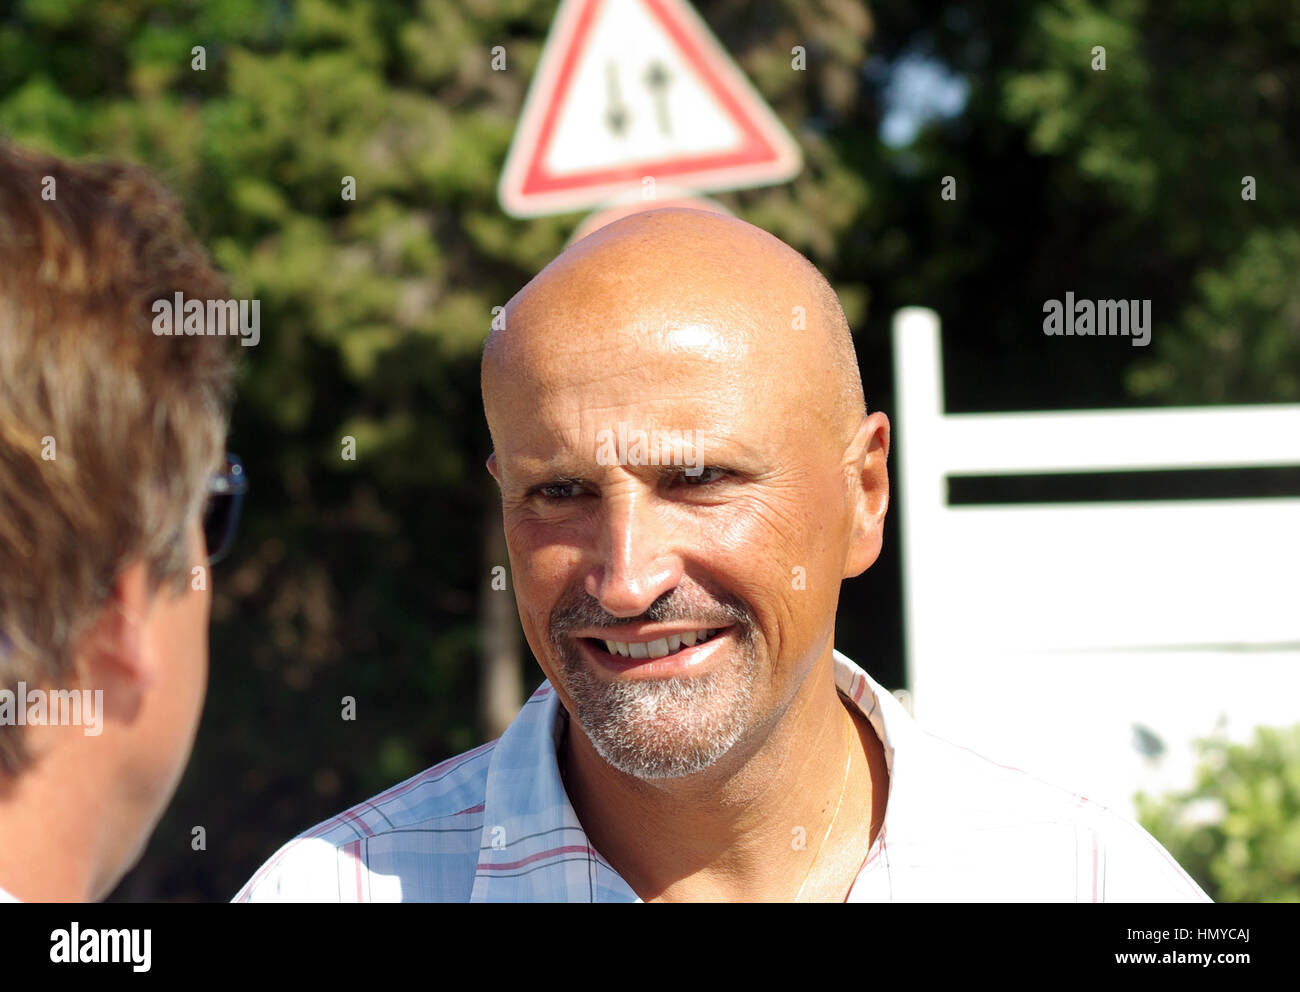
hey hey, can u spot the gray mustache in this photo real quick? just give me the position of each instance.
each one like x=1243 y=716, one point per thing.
x=668 y=608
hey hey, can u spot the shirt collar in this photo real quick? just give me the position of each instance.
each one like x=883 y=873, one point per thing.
x=533 y=848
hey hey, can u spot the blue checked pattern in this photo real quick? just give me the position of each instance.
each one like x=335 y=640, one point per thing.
x=494 y=825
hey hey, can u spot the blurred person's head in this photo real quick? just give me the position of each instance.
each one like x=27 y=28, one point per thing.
x=109 y=437
x=758 y=485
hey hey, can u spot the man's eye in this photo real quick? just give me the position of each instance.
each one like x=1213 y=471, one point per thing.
x=559 y=490
x=703 y=476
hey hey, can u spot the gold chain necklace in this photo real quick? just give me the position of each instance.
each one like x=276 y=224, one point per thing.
x=848 y=745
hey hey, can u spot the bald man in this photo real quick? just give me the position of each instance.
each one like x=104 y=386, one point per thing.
x=688 y=471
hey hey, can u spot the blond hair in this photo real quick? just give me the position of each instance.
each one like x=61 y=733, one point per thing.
x=108 y=433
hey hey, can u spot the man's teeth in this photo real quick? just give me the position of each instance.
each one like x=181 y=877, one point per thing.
x=660 y=648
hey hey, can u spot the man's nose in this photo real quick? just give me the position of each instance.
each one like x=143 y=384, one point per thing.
x=635 y=560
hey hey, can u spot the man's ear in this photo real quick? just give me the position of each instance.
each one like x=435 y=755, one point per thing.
x=493 y=468
x=113 y=653
x=868 y=478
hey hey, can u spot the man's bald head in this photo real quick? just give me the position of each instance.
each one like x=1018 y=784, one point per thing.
x=688 y=267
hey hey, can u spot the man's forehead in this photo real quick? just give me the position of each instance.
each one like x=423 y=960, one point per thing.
x=553 y=447
x=570 y=403
x=639 y=346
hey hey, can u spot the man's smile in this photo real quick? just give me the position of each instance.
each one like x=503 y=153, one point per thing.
x=654 y=651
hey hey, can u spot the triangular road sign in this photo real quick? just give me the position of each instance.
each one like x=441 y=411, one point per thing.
x=629 y=89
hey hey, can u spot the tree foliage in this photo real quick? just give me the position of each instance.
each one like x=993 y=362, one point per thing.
x=1237 y=830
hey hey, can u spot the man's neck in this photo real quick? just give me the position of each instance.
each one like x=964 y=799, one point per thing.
x=750 y=828
x=49 y=827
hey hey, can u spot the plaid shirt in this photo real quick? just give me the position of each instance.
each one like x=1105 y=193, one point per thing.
x=494 y=825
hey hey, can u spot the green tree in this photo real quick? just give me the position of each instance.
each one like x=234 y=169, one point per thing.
x=1237 y=830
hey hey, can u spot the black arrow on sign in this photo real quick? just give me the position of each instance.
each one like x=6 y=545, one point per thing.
x=615 y=112
x=658 y=78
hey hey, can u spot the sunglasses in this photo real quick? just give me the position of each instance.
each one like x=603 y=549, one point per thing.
x=221 y=515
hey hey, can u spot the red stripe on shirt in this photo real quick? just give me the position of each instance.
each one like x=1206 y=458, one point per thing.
x=348 y=815
x=354 y=852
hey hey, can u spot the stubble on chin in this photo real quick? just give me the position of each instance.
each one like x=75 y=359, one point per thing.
x=657 y=728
